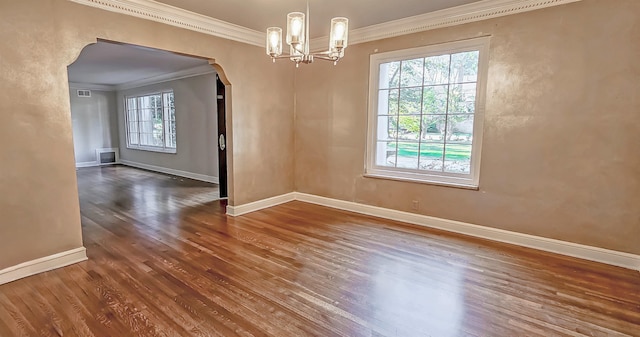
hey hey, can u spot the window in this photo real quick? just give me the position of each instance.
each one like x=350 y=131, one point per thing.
x=425 y=113
x=151 y=122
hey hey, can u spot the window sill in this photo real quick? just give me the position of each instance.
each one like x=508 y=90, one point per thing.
x=152 y=149
x=427 y=182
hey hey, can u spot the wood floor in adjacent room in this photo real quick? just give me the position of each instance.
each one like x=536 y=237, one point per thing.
x=165 y=260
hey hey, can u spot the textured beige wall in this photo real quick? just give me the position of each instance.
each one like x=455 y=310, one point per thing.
x=39 y=213
x=561 y=154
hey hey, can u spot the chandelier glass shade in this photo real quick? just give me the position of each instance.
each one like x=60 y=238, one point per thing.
x=298 y=39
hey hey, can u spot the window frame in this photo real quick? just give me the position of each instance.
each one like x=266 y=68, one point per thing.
x=470 y=180
x=152 y=148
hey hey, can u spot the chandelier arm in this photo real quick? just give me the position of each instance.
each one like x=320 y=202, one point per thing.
x=326 y=58
x=323 y=53
x=283 y=56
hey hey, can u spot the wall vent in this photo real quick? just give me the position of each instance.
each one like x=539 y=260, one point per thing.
x=84 y=93
x=107 y=156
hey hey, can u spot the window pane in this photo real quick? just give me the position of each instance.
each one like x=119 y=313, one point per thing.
x=386 y=154
x=436 y=70
x=462 y=98
x=166 y=99
x=157 y=114
x=389 y=75
x=145 y=114
x=145 y=102
x=464 y=67
x=387 y=128
x=157 y=124
x=157 y=138
x=460 y=129
x=431 y=156
x=169 y=138
x=457 y=158
x=146 y=139
x=411 y=75
x=408 y=155
x=133 y=127
x=170 y=99
x=132 y=114
x=410 y=101
x=133 y=139
x=435 y=99
x=388 y=102
x=166 y=113
x=409 y=127
x=146 y=127
x=433 y=128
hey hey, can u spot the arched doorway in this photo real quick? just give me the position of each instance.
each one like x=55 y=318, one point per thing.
x=142 y=79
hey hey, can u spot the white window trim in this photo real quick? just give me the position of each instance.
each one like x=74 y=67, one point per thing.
x=162 y=149
x=470 y=181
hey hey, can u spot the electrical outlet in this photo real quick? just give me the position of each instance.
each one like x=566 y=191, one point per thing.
x=415 y=204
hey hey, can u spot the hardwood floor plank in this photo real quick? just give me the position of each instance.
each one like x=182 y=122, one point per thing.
x=14 y=321
x=165 y=260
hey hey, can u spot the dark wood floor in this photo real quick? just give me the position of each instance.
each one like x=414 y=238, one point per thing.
x=164 y=260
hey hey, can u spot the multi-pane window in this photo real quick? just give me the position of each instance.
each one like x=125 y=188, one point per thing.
x=426 y=112
x=151 y=122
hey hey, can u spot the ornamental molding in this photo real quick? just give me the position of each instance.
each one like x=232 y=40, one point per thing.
x=178 y=17
x=174 y=16
x=177 y=75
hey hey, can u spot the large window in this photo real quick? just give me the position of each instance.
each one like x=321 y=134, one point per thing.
x=425 y=113
x=151 y=122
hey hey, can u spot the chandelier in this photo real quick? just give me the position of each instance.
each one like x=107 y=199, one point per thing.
x=298 y=39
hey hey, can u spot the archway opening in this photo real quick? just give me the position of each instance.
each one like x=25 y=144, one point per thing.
x=146 y=122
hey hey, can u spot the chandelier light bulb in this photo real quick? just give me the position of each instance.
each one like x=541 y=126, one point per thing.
x=339 y=34
x=274 y=38
x=295 y=28
x=274 y=41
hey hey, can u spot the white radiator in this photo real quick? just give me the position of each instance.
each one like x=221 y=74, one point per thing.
x=107 y=156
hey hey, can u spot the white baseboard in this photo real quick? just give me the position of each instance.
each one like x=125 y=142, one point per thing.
x=612 y=257
x=93 y=164
x=185 y=174
x=260 y=204
x=87 y=164
x=43 y=264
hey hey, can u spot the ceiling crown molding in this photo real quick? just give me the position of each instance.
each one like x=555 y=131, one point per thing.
x=174 y=16
x=177 y=75
x=477 y=11
x=91 y=86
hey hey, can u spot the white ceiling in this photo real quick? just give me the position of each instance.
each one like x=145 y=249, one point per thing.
x=114 y=64
x=260 y=14
x=107 y=63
